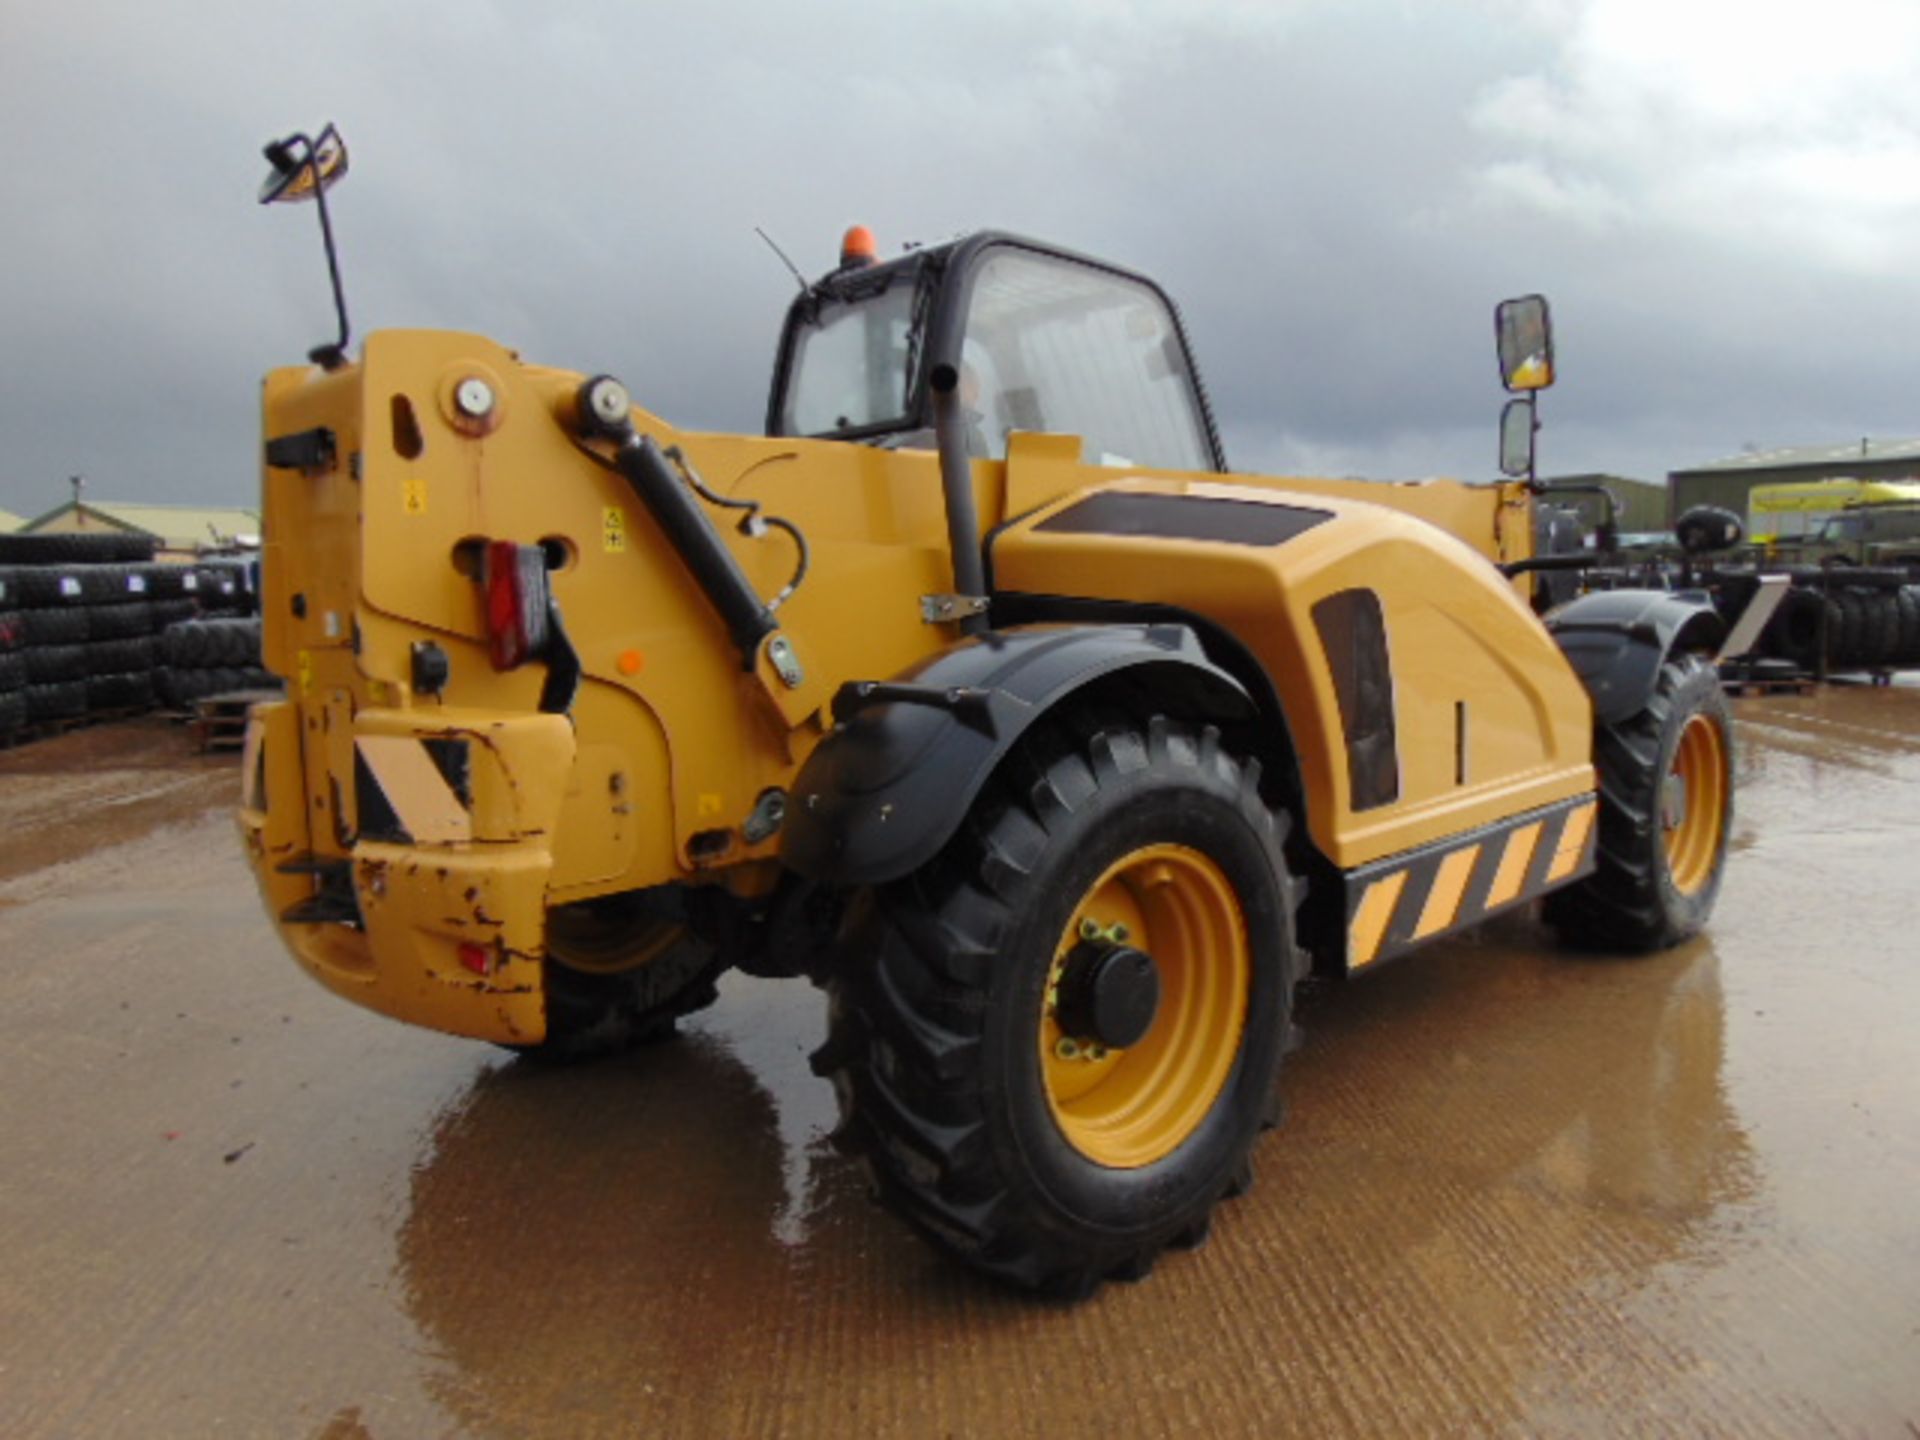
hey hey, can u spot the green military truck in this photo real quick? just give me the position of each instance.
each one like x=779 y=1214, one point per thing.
x=1852 y=522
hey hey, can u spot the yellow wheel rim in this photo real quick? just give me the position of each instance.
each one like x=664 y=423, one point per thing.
x=596 y=948
x=1693 y=805
x=1128 y=1108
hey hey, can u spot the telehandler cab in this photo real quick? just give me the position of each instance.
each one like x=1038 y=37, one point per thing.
x=977 y=689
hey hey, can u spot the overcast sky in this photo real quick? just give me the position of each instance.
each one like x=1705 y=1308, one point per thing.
x=1722 y=202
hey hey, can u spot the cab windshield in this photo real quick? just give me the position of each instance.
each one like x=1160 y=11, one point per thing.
x=851 y=367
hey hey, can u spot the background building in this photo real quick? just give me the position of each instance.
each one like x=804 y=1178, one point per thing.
x=1640 y=505
x=1726 y=482
x=179 y=531
x=9 y=522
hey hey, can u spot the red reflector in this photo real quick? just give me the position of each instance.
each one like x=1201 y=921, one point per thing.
x=514 y=581
x=477 y=958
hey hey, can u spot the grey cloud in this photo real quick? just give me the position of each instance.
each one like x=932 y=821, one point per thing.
x=1335 y=193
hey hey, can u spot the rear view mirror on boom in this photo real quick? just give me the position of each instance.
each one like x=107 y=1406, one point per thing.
x=1525 y=332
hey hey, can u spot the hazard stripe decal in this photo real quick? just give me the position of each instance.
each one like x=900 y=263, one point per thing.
x=1408 y=899
x=407 y=792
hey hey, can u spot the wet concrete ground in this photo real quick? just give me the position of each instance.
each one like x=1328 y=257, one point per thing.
x=1519 y=1191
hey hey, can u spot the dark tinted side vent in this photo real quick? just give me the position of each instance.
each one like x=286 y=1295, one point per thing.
x=1354 y=634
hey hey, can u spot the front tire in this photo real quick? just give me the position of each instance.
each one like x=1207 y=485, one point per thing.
x=1045 y=1157
x=1666 y=809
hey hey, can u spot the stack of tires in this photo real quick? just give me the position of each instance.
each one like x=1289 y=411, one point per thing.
x=79 y=629
x=227 y=585
x=13 y=666
x=1865 y=628
x=213 y=656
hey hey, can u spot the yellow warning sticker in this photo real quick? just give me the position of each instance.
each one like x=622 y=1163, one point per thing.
x=613 y=530
x=306 y=672
x=413 y=497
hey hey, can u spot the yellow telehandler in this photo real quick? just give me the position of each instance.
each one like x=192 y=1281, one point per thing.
x=977 y=689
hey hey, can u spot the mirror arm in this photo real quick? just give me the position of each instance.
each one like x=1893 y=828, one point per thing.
x=281 y=155
x=329 y=357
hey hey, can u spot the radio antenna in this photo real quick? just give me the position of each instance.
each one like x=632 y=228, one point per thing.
x=799 y=279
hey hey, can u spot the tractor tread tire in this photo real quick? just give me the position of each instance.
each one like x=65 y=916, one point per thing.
x=1794 y=633
x=171 y=610
x=1847 y=650
x=122 y=621
x=55 y=664
x=1882 y=626
x=923 y=995
x=1629 y=902
x=63 y=700
x=593 y=1013
x=131 y=690
x=55 y=627
x=45 y=587
x=120 y=657
x=67 y=549
x=1909 y=601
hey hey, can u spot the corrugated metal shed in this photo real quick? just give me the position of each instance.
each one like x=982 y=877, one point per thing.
x=180 y=529
x=1726 y=482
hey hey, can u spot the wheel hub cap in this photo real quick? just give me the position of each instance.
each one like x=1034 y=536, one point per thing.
x=1109 y=994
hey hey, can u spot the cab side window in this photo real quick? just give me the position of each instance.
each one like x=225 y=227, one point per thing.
x=1062 y=347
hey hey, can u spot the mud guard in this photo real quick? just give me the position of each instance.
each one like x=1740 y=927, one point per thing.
x=1616 y=641
x=887 y=789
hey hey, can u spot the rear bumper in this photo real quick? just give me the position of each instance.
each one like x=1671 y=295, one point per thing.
x=449 y=935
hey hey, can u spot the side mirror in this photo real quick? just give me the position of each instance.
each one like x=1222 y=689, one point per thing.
x=303 y=168
x=1523 y=329
x=1516 y=438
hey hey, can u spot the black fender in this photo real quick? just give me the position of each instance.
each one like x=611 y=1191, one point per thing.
x=888 y=787
x=1617 y=640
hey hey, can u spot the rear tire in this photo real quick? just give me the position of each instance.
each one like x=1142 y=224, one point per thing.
x=620 y=972
x=1882 y=626
x=1017 y=1147
x=1909 y=625
x=1666 y=809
